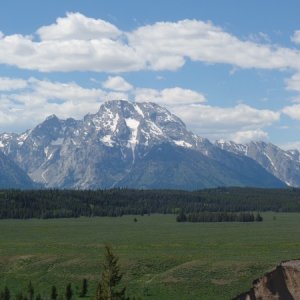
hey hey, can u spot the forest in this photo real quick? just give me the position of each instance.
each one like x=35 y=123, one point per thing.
x=54 y=203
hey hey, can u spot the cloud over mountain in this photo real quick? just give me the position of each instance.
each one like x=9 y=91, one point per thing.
x=79 y=43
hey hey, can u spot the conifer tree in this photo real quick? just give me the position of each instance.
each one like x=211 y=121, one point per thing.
x=6 y=293
x=20 y=296
x=30 y=291
x=69 y=292
x=111 y=277
x=53 y=293
x=84 y=288
x=258 y=217
x=38 y=297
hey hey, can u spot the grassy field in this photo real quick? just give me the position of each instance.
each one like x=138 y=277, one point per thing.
x=161 y=259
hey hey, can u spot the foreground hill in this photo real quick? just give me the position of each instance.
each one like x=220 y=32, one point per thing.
x=140 y=145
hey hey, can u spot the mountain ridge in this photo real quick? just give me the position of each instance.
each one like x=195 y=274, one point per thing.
x=118 y=146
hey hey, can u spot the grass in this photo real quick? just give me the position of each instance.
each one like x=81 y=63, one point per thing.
x=161 y=259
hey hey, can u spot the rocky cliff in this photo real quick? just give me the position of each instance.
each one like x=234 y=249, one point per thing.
x=282 y=283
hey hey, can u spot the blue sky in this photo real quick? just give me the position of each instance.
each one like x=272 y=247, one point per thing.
x=229 y=69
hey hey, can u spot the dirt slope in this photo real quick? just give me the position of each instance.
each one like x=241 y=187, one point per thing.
x=282 y=283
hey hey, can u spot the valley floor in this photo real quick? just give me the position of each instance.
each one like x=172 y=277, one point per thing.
x=160 y=258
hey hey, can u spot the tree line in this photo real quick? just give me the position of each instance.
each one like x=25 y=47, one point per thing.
x=54 y=203
x=219 y=217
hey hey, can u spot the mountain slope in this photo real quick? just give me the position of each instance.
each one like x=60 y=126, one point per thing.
x=284 y=165
x=166 y=166
x=128 y=144
x=11 y=176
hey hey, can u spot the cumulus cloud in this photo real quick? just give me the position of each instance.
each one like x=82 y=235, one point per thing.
x=170 y=96
x=9 y=84
x=293 y=111
x=78 y=43
x=240 y=123
x=165 y=45
x=35 y=99
x=296 y=37
x=218 y=122
x=117 y=83
x=293 y=83
x=103 y=55
x=291 y=146
x=249 y=135
x=30 y=105
x=76 y=26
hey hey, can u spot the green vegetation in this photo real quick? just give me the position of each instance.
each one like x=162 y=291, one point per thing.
x=46 y=204
x=219 y=217
x=159 y=257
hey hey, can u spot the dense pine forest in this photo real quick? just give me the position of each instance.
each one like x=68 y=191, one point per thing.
x=21 y=204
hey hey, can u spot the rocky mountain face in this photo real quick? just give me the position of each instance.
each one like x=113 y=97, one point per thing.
x=138 y=145
x=12 y=176
x=282 y=283
x=284 y=165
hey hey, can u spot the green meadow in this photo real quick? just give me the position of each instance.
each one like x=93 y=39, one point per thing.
x=160 y=258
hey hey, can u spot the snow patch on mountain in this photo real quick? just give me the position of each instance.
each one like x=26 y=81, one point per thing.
x=183 y=144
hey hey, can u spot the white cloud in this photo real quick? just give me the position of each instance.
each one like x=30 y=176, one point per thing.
x=99 y=55
x=76 y=26
x=249 y=135
x=292 y=111
x=296 y=37
x=24 y=108
x=117 y=83
x=291 y=145
x=78 y=43
x=9 y=84
x=165 y=45
x=293 y=83
x=170 y=96
x=219 y=122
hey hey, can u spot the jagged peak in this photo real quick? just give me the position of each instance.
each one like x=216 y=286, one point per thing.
x=52 y=117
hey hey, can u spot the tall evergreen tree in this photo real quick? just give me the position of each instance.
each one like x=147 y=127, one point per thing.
x=258 y=217
x=110 y=278
x=30 y=291
x=53 y=293
x=20 y=296
x=84 y=288
x=38 y=297
x=6 y=293
x=69 y=292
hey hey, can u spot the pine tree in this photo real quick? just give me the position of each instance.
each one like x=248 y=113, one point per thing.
x=53 y=293
x=111 y=277
x=258 y=218
x=30 y=291
x=84 y=288
x=69 y=292
x=20 y=296
x=38 y=297
x=6 y=293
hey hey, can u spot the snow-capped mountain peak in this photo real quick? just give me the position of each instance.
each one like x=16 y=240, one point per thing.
x=130 y=144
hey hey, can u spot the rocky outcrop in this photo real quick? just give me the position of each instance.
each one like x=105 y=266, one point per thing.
x=283 y=283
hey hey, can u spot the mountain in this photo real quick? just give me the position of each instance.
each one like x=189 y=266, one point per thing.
x=284 y=165
x=139 y=145
x=12 y=176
